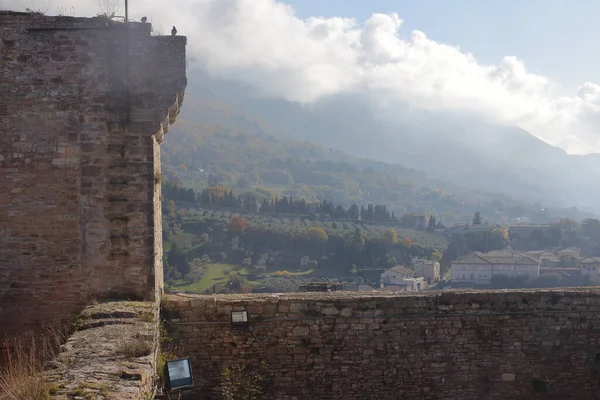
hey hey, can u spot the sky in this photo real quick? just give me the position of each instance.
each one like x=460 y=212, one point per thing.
x=550 y=35
x=529 y=63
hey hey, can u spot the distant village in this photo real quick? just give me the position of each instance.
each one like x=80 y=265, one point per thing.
x=496 y=268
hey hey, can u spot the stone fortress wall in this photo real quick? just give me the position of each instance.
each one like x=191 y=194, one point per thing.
x=438 y=345
x=84 y=106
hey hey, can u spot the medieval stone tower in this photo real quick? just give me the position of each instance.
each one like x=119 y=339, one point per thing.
x=84 y=106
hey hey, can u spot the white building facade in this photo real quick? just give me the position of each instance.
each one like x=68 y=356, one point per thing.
x=479 y=268
x=590 y=266
x=396 y=275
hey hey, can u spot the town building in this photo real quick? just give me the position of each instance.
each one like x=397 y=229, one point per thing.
x=396 y=275
x=479 y=268
x=405 y=285
x=401 y=279
x=590 y=266
x=547 y=258
x=429 y=270
x=569 y=252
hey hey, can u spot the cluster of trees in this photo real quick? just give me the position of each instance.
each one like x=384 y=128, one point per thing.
x=266 y=247
x=465 y=242
x=221 y=196
x=584 y=235
x=172 y=191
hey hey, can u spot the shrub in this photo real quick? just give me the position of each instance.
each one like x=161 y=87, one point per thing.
x=237 y=225
x=244 y=383
x=134 y=345
x=317 y=235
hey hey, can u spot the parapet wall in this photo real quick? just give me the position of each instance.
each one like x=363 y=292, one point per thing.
x=111 y=355
x=84 y=105
x=435 y=345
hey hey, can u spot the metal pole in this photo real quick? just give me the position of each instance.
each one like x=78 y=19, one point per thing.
x=127 y=74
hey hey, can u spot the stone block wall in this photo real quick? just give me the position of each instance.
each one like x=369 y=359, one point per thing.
x=436 y=345
x=112 y=354
x=84 y=106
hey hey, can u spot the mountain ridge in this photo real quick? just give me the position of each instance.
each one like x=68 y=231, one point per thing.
x=466 y=152
x=216 y=136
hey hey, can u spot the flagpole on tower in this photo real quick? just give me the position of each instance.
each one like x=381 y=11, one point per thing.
x=126 y=13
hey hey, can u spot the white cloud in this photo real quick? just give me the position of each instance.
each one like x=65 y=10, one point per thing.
x=263 y=43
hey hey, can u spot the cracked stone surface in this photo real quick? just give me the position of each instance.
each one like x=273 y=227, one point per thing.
x=112 y=355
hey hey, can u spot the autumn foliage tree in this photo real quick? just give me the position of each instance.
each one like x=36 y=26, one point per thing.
x=317 y=235
x=390 y=236
x=406 y=241
x=237 y=225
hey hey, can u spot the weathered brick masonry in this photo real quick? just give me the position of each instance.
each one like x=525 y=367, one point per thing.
x=84 y=105
x=439 y=345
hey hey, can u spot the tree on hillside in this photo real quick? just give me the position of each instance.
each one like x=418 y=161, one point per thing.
x=339 y=213
x=217 y=191
x=390 y=260
x=353 y=212
x=177 y=259
x=237 y=225
x=390 y=237
x=238 y=284
x=432 y=224
x=537 y=237
x=172 y=209
x=591 y=227
x=477 y=218
x=317 y=235
x=436 y=256
x=406 y=241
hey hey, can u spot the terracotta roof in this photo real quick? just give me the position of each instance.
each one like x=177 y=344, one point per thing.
x=590 y=260
x=472 y=258
x=530 y=226
x=544 y=269
x=401 y=269
x=506 y=256
x=569 y=249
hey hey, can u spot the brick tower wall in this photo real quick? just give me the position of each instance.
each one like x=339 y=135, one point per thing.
x=84 y=106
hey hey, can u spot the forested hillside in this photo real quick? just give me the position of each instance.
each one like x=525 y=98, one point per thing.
x=238 y=151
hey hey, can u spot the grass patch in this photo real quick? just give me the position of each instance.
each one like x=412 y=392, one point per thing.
x=134 y=344
x=147 y=316
x=296 y=273
x=135 y=348
x=89 y=390
x=169 y=349
x=22 y=377
x=214 y=275
x=243 y=382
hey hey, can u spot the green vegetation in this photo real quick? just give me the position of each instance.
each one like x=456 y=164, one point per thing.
x=22 y=373
x=213 y=274
x=227 y=252
x=168 y=350
x=245 y=383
